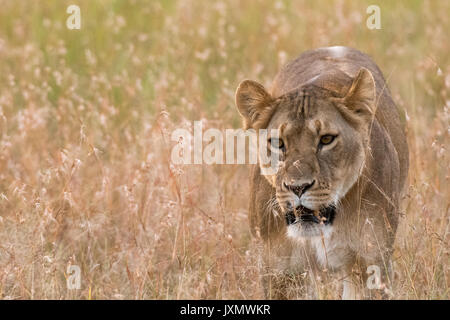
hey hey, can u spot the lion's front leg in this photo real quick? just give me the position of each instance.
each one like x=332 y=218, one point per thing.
x=353 y=283
x=351 y=289
x=285 y=270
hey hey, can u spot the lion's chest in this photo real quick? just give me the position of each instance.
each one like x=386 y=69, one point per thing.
x=329 y=251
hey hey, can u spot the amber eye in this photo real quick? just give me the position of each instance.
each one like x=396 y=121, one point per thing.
x=276 y=143
x=327 y=139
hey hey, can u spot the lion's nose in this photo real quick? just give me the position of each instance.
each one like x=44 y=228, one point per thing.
x=297 y=189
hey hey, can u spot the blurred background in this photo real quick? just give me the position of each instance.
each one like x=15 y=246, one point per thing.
x=85 y=122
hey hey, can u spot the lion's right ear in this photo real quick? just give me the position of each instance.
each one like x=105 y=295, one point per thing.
x=361 y=97
x=254 y=104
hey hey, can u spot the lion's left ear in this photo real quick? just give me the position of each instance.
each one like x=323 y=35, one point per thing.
x=254 y=104
x=361 y=97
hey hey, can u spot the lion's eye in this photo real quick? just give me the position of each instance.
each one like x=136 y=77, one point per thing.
x=327 y=139
x=276 y=143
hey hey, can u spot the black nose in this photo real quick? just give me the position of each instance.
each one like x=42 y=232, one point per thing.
x=298 y=190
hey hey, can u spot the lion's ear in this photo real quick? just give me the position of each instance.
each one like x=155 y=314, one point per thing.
x=361 y=97
x=253 y=103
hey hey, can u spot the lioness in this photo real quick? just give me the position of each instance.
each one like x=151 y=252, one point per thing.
x=333 y=203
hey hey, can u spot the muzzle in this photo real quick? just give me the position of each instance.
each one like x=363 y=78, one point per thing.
x=323 y=216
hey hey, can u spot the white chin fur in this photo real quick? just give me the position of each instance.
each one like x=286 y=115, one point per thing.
x=300 y=233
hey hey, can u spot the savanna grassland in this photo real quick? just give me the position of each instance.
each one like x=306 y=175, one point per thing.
x=86 y=118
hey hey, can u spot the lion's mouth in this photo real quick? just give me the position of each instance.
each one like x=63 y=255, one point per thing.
x=323 y=216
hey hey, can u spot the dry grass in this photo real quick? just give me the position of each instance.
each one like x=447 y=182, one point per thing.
x=85 y=123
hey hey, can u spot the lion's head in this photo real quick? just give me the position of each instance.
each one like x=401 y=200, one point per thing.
x=323 y=129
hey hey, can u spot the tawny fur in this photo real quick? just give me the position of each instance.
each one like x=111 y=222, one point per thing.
x=363 y=174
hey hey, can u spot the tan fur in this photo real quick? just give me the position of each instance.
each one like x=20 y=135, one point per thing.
x=362 y=172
